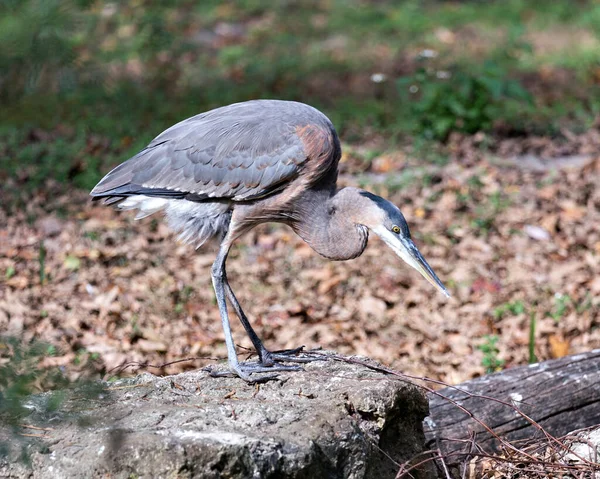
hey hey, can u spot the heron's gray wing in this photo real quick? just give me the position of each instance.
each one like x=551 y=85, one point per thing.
x=241 y=152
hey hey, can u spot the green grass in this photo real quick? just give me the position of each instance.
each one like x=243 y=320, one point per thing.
x=531 y=347
x=32 y=394
x=491 y=360
x=80 y=70
x=513 y=308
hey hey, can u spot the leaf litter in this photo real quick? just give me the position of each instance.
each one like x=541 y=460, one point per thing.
x=497 y=231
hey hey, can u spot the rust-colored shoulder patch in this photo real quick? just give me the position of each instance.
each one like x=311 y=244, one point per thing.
x=318 y=142
x=323 y=152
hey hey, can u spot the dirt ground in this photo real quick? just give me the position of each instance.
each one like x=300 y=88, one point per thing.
x=514 y=236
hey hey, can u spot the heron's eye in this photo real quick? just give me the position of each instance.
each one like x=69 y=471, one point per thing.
x=396 y=229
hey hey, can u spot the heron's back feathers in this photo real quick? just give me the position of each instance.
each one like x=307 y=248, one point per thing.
x=240 y=152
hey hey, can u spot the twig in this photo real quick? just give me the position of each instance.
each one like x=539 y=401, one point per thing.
x=129 y=386
x=472 y=446
x=29 y=426
x=124 y=366
x=439 y=451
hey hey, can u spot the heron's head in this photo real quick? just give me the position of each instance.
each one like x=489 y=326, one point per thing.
x=386 y=221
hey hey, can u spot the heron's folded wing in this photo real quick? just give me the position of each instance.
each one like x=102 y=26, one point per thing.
x=235 y=154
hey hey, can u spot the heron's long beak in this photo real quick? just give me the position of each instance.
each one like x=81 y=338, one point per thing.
x=408 y=251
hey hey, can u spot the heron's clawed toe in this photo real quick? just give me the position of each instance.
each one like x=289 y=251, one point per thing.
x=294 y=359
x=247 y=371
x=289 y=355
x=290 y=352
x=255 y=367
x=240 y=373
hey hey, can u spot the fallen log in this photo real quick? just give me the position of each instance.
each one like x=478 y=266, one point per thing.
x=521 y=403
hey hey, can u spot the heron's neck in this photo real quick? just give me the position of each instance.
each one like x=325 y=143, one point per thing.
x=328 y=223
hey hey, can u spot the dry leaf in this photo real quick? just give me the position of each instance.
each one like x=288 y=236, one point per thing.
x=138 y=295
x=150 y=346
x=559 y=347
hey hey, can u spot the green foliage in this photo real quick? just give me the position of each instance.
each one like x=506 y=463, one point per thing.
x=475 y=182
x=562 y=302
x=124 y=72
x=491 y=360
x=183 y=297
x=42 y=262
x=84 y=358
x=514 y=307
x=10 y=272
x=463 y=100
x=21 y=376
x=487 y=211
x=32 y=393
x=37 y=44
x=92 y=235
x=532 y=324
x=58 y=157
x=72 y=262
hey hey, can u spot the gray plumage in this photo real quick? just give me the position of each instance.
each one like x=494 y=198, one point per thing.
x=201 y=165
x=220 y=173
x=241 y=152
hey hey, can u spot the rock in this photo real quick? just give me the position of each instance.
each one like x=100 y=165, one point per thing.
x=332 y=420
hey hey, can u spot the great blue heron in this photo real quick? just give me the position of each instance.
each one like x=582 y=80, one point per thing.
x=220 y=173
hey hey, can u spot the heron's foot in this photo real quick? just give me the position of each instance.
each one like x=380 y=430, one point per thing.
x=268 y=358
x=246 y=371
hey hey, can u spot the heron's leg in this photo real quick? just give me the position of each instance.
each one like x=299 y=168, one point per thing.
x=266 y=357
x=256 y=342
x=243 y=371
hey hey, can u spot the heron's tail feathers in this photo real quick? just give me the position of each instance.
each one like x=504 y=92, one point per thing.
x=146 y=205
x=195 y=222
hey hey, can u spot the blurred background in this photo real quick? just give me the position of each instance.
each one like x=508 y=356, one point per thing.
x=479 y=119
